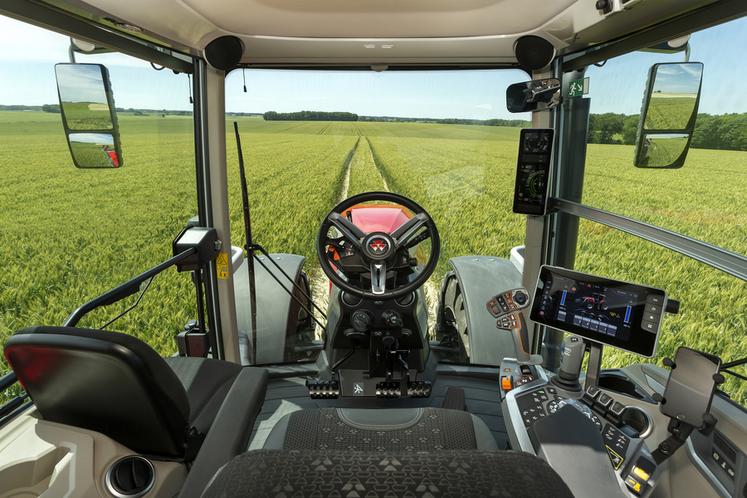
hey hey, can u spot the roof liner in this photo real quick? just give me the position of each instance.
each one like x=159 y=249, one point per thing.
x=355 y=32
x=377 y=18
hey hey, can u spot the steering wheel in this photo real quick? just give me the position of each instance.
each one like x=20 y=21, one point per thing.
x=355 y=254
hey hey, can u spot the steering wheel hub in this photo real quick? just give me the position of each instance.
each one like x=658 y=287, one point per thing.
x=378 y=246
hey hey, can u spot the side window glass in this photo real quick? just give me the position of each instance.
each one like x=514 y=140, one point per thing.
x=67 y=235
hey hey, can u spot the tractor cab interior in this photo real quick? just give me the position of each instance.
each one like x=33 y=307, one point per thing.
x=406 y=344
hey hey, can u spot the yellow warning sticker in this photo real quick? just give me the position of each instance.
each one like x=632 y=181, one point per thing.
x=221 y=264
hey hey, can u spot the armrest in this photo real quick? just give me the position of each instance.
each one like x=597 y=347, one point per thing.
x=230 y=431
x=573 y=447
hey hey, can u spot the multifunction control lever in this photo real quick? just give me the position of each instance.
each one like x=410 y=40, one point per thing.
x=514 y=322
x=505 y=307
x=508 y=302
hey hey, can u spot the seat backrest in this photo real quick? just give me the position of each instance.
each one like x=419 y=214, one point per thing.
x=404 y=473
x=104 y=381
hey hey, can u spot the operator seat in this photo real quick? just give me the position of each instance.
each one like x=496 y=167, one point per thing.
x=282 y=473
x=380 y=429
x=117 y=385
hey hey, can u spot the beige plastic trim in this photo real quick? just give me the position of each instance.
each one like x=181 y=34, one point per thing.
x=46 y=459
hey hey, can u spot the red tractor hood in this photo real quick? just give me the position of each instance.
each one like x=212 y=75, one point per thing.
x=378 y=218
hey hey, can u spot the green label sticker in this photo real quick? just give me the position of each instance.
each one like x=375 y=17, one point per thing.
x=578 y=88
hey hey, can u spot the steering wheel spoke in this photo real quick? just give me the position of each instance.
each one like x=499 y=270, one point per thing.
x=352 y=263
x=378 y=277
x=405 y=233
x=347 y=229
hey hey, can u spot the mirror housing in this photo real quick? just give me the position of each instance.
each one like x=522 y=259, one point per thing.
x=88 y=115
x=535 y=95
x=669 y=112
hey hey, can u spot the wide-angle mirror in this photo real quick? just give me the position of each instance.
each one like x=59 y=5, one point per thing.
x=535 y=95
x=93 y=150
x=88 y=115
x=670 y=109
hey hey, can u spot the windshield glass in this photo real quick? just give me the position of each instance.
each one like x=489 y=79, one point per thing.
x=441 y=138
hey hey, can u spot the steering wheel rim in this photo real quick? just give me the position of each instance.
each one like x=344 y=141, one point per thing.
x=421 y=217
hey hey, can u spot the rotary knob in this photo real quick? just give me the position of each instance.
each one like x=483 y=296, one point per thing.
x=392 y=319
x=361 y=321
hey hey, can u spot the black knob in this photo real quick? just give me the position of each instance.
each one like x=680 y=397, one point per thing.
x=391 y=318
x=389 y=342
x=361 y=321
x=602 y=4
x=520 y=298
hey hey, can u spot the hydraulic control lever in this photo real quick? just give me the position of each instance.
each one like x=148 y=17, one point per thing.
x=506 y=308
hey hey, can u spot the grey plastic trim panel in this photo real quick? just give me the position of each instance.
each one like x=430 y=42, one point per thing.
x=729 y=262
x=712 y=479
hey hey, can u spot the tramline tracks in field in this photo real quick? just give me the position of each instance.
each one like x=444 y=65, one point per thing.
x=318 y=280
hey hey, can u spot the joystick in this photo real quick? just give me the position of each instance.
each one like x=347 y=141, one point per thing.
x=570 y=364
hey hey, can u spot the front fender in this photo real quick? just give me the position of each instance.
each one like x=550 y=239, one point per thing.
x=480 y=278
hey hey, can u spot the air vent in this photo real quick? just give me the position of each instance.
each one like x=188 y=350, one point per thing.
x=130 y=477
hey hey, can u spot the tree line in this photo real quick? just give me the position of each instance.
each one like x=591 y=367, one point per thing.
x=349 y=116
x=723 y=131
x=309 y=116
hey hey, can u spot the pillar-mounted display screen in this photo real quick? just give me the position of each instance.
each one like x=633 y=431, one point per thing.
x=611 y=312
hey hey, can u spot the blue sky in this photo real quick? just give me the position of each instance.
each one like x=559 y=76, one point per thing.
x=27 y=77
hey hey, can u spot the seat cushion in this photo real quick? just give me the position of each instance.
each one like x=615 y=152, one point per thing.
x=385 y=429
x=206 y=382
x=283 y=473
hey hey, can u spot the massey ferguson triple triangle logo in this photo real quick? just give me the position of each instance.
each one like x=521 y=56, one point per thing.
x=378 y=246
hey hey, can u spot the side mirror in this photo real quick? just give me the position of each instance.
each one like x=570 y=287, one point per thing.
x=535 y=95
x=88 y=115
x=670 y=108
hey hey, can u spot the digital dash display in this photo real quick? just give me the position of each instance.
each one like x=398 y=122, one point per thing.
x=617 y=313
x=532 y=171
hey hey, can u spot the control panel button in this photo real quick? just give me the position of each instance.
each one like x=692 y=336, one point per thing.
x=655 y=299
x=616 y=409
x=603 y=401
x=649 y=326
x=634 y=485
x=654 y=309
x=506 y=383
x=589 y=395
x=641 y=474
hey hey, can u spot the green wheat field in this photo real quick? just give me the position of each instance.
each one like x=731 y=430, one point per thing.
x=67 y=235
